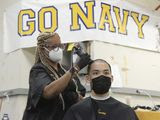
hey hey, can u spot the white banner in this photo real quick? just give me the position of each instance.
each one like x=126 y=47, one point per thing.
x=76 y=20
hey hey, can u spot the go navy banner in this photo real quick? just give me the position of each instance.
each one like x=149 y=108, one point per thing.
x=80 y=20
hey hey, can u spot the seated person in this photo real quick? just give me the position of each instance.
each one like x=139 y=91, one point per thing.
x=100 y=105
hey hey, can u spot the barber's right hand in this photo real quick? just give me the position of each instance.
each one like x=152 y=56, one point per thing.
x=83 y=61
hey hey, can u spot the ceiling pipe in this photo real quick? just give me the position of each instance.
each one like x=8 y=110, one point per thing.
x=157 y=8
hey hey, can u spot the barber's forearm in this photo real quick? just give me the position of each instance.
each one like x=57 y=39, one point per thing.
x=57 y=86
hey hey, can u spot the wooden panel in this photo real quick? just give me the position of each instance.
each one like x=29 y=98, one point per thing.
x=148 y=115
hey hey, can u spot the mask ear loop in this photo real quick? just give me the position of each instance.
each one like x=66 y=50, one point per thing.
x=46 y=49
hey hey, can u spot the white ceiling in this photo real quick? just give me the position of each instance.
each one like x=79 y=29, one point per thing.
x=153 y=5
x=146 y=4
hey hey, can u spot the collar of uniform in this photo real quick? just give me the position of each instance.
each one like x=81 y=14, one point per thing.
x=104 y=97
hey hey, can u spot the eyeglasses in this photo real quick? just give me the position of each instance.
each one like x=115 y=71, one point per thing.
x=56 y=47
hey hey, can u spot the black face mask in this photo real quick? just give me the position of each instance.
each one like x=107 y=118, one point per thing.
x=101 y=84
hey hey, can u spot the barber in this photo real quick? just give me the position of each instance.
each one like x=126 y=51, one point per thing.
x=51 y=88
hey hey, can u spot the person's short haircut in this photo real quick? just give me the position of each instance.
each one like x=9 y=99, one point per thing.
x=93 y=61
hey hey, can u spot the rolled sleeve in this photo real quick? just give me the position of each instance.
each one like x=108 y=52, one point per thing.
x=39 y=78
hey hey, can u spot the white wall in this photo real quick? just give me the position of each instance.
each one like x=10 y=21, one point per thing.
x=14 y=108
x=14 y=72
x=139 y=68
x=15 y=66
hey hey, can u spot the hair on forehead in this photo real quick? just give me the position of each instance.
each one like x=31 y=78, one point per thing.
x=97 y=60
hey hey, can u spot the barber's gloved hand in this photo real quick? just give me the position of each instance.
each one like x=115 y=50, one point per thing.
x=83 y=61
